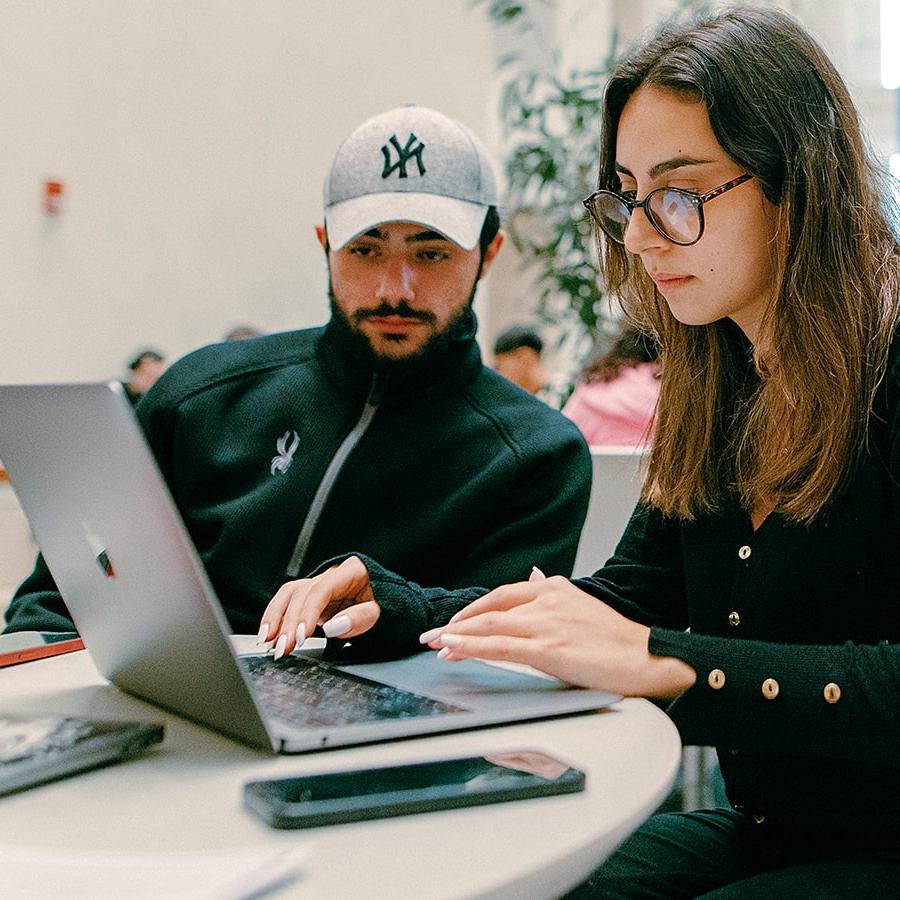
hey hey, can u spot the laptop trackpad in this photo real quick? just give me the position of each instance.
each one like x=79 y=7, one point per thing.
x=459 y=683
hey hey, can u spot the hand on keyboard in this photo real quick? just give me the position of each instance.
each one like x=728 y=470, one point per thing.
x=340 y=600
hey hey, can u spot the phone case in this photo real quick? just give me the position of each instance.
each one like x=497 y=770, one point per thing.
x=40 y=651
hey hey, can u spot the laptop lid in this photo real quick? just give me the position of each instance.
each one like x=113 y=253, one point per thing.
x=119 y=553
x=140 y=597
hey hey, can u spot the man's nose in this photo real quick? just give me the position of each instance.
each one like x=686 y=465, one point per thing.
x=640 y=235
x=397 y=281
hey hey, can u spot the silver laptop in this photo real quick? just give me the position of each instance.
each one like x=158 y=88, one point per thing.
x=131 y=578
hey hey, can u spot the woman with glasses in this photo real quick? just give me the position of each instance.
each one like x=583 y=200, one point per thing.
x=744 y=225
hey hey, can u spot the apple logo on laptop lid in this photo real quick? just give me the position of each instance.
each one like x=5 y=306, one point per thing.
x=98 y=548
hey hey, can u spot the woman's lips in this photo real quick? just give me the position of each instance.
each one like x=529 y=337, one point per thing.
x=666 y=281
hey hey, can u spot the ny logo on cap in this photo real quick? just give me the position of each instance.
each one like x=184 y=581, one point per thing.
x=404 y=155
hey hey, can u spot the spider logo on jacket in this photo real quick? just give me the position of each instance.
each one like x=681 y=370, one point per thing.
x=281 y=462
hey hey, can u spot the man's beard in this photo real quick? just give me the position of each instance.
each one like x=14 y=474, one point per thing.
x=433 y=349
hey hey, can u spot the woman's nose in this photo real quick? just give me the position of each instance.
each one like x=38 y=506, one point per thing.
x=640 y=235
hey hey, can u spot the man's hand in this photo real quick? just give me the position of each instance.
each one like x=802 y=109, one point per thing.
x=553 y=626
x=340 y=600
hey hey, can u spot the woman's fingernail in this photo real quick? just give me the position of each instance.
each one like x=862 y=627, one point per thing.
x=280 y=644
x=301 y=635
x=426 y=637
x=337 y=626
x=443 y=654
x=263 y=634
x=451 y=640
x=536 y=574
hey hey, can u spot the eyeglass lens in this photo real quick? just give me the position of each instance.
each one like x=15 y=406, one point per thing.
x=612 y=215
x=674 y=213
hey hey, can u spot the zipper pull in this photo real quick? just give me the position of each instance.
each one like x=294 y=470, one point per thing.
x=377 y=389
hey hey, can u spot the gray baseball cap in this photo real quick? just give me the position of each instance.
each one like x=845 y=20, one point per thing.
x=410 y=164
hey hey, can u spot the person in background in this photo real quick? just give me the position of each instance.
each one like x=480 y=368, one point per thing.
x=746 y=226
x=615 y=402
x=381 y=432
x=517 y=357
x=242 y=333
x=144 y=369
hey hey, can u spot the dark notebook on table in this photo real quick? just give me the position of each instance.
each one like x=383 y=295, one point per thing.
x=39 y=748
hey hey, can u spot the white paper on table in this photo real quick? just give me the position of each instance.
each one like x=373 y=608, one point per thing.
x=215 y=875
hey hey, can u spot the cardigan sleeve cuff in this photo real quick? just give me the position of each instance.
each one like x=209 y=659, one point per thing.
x=748 y=693
x=407 y=609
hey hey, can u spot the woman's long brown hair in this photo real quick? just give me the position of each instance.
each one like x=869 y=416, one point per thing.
x=780 y=110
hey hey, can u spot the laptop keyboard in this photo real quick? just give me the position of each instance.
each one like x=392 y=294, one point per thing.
x=307 y=693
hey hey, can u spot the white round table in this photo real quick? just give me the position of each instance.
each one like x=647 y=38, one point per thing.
x=185 y=795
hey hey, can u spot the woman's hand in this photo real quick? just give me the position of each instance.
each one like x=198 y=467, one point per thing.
x=553 y=626
x=340 y=600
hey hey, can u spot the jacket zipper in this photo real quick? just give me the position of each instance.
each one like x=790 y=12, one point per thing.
x=331 y=473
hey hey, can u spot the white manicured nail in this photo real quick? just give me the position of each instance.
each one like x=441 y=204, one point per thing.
x=280 y=644
x=536 y=574
x=451 y=640
x=443 y=654
x=263 y=634
x=337 y=626
x=426 y=637
x=301 y=635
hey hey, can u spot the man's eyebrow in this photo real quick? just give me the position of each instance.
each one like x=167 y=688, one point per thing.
x=379 y=235
x=428 y=236
x=678 y=162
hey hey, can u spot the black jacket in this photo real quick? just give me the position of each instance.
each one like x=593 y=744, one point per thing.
x=794 y=632
x=459 y=477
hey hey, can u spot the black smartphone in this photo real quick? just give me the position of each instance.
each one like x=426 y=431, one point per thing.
x=335 y=797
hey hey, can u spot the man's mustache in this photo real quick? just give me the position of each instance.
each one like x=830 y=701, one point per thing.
x=402 y=309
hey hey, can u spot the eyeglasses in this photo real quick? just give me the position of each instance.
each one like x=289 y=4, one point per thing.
x=676 y=214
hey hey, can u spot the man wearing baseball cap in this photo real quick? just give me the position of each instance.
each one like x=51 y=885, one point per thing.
x=380 y=433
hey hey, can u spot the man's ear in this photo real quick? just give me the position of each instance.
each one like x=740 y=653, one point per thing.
x=491 y=251
x=322 y=235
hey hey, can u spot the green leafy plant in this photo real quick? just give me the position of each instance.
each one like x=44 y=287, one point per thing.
x=551 y=165
x=551 y=125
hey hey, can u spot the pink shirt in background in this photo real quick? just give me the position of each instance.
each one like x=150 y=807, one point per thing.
x=617 y=412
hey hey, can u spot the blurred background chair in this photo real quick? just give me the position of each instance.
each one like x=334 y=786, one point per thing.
x=615 y=490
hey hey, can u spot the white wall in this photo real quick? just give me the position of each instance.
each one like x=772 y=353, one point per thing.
x=193 y=137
